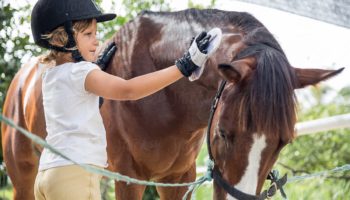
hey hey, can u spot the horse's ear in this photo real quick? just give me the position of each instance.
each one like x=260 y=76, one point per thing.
x=229 y=73
x=233 y=73
x=307 y=77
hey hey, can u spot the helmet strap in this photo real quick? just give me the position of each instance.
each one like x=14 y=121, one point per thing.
x=57 y=48
x=77 y=57
x=75 y=53
x=68 y=27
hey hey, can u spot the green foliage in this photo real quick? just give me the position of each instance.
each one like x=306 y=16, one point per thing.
x=320 y=151
x=14 y=44
x=205 y=192
x=107 y=29
x=134 y=6
x=6 y=193
x=150 y=194
x=191 y=4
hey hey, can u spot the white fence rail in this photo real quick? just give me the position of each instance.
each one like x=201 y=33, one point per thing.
x=325 y=124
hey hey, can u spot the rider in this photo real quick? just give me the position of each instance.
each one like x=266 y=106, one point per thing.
x=72 y=86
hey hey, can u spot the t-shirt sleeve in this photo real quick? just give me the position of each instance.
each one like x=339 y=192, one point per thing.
x=78 y=75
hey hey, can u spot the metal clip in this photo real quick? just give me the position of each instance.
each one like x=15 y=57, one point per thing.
x=215 y=103
x=273 y=185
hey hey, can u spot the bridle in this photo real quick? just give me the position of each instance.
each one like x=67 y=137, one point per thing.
x=276 y=184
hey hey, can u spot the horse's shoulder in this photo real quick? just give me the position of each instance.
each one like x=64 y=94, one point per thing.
x=29 y=90
x=27 y=70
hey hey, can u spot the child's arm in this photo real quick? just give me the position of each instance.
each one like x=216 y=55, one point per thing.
x=113 y=87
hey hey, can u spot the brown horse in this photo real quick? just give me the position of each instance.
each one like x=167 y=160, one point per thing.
x=158 y=138
x=256 y=115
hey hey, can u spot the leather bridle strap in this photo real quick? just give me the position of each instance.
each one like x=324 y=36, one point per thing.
x=212 y=112
x=229 y=189
x=276 y=184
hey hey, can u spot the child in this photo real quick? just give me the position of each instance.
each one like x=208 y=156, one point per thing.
x=71 y=90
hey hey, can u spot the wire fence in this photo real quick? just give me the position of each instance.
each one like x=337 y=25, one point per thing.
x=192 y=186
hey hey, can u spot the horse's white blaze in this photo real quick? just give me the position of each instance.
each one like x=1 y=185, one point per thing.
x=249 y=180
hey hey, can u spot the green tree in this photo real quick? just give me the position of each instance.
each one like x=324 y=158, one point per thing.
x=191 y=4
x=320 y=151
x=14 y=43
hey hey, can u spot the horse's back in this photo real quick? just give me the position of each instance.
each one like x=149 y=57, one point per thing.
x=23 y=105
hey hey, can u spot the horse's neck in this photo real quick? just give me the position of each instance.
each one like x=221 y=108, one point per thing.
x=146 y=46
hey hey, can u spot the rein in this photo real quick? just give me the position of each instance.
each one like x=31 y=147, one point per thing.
x=276 y=184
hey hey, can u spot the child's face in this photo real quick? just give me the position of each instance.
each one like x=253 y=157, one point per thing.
x=87 y=42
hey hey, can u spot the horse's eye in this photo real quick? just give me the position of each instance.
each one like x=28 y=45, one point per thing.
x=282 y=144
x=222 y=134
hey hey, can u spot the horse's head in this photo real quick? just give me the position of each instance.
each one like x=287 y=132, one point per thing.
x=256 y=114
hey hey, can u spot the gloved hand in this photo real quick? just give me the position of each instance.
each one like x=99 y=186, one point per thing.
x=195 y=56
x=103 y=60
x=106 y=55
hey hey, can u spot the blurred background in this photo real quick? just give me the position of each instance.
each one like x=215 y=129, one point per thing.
x=312 y=34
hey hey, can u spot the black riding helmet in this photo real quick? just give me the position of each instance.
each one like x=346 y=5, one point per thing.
x=47 y=15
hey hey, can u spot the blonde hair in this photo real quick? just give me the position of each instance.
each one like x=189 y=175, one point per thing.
x=59 y=37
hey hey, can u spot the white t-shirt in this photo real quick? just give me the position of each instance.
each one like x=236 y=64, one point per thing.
x=73 y=120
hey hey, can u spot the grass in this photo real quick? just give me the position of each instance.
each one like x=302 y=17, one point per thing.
x=6 y=193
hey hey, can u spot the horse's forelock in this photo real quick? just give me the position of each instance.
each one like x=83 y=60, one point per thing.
x=273 y=101
x=269 y=100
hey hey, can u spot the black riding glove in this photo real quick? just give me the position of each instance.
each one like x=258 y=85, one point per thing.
x=104 y=58
x=192 y=59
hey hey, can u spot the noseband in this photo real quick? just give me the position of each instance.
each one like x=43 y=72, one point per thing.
x=276 y=184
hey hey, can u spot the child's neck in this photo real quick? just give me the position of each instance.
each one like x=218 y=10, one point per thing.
x=64 y=58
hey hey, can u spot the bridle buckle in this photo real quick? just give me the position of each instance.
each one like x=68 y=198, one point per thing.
x=273 y=192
